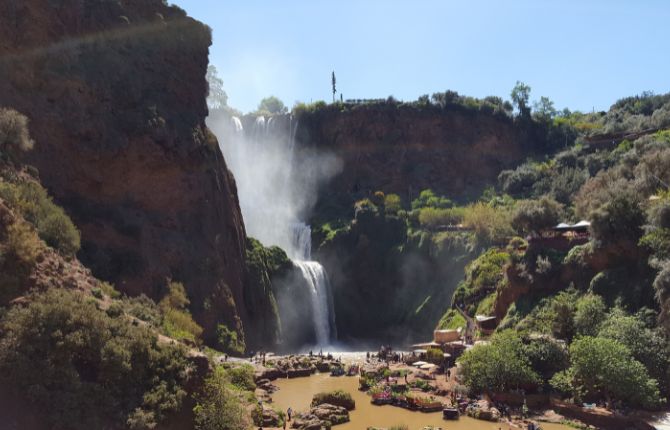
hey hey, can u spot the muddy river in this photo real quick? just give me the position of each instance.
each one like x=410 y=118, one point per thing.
x=297 y=393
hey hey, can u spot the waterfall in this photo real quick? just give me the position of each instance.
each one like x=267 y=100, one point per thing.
x=317 y=282
x=277 y=188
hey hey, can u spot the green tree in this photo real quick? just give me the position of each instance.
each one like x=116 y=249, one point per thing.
x=498 y=366
x=272 y=105
x=646 y=345
x=662 y=287
x=590 y=311
x=619 y=219
x=544 y=109
x=216 y=96
x=219 y=405
x=333 y=82
x=520 y=96
x=604 y=368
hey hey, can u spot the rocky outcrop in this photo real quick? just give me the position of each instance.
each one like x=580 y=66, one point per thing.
x=319 y=417
x=115 y=91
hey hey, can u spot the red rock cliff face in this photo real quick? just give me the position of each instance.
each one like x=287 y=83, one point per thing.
x=115 y=91
x=405 y=150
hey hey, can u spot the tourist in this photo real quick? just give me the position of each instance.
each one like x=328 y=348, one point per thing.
x=289 y=412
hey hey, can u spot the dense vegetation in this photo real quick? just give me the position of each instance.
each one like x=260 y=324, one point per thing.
x=86 y=369
x=603 y=296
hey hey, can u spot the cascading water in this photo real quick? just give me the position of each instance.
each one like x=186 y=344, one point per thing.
x=275 y=191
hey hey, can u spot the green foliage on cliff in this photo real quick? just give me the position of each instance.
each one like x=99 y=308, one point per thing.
x=177 y=320
x=85 y=369
x=14 y=134
x=264 y=266
x=31 y=200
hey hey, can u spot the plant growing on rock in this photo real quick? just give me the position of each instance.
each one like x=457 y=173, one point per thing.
x=337 y=398
x=14 y=135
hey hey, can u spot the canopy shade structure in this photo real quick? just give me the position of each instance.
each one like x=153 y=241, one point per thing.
x=419 y=363
x=427 y=366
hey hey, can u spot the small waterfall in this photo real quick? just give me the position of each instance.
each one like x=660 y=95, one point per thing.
x=317 y=282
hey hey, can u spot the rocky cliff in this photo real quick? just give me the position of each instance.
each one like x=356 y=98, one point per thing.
x=456 y=152
x=116 y=94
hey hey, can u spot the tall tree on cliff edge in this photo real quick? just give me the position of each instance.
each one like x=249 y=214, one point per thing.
x=217 y=97
x=334 y=81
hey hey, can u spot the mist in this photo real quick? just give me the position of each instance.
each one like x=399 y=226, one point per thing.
x=277 y=182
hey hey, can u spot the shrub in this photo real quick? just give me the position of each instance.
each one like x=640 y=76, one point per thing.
x=430 y=217
x=242 y=377
x=428 y=199
x=23 y=243
x=14 y=136
x=85 y=370
x=143 y=308
x=177 y=320
x=621 y=218
x=534 y=215
x=228 y=340
x=490 y=225
x=50 y=221
x=337 y=398
x=392 y=203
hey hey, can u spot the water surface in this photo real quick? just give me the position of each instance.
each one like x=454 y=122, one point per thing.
x=297 y=393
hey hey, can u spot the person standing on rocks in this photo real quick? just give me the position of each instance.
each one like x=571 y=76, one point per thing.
x=289 y=412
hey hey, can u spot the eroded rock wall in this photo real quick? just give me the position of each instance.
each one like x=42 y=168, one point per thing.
x=116 y=91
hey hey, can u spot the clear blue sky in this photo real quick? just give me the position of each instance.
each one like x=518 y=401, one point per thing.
x=582 y=54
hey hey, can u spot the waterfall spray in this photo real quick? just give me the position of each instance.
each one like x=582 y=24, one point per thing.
x=277 y=189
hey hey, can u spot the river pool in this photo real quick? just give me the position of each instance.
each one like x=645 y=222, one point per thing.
x=297 y=393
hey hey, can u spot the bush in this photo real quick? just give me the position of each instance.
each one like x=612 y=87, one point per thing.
x=337 y=398
x=83 y=369
x=177 y=320
x=534 y=215
x=619 y=219
x=50 y=221
x=228 y=340
x=392 y=203
x=23 y=243
x=491 y=225
x=242 y=377
x=428 y=199
x=14 y=136
x=431 y=218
